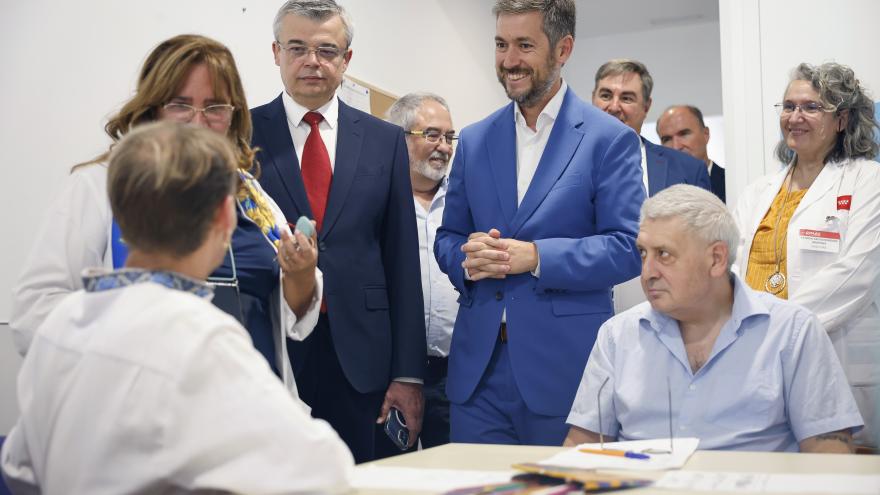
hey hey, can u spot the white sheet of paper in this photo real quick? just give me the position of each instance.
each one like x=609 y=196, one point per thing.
x=684 y=448
x=854 y=484
x=432 y=480
x=355 y=95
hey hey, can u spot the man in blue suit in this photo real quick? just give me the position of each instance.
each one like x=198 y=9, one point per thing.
x=623 y=89
x=540 y=221
x=350 y=172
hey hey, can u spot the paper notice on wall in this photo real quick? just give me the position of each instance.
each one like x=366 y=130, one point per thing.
x=355 y=95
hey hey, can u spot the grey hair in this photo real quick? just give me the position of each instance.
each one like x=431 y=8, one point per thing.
x=316 y=10
x=700 y=210
x=403 y=111
x=838 y=88
x=620 y=66
x=559 y=15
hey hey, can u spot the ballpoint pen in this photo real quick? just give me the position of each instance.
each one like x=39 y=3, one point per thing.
x=616 y=453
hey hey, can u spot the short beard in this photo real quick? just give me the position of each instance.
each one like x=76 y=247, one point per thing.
x=539 y=89
x=424 y=168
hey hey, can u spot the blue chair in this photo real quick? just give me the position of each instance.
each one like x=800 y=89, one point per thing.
x=3 y=489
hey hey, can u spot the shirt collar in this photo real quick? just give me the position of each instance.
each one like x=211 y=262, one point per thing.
x=99 y=280
x=746 y=304
x=550 y=111
x=295 y=112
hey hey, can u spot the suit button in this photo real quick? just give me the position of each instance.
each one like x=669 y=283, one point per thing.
x=322 y=246
x=499 y=296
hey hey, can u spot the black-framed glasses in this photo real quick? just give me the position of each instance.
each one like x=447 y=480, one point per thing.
x=812 y=108
x=214 y=114
x=297 y=50
x=434 y=136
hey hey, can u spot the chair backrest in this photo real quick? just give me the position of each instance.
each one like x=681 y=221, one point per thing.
x=3 y=489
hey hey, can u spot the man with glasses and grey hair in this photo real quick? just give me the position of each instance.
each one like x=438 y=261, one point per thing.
x=349 y=172
x=706 y=356
x=427 y=123
x=540 y=222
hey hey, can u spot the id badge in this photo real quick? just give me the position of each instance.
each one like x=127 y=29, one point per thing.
x=824 y=241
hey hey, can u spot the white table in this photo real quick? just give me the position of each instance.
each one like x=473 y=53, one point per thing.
x=500 y=457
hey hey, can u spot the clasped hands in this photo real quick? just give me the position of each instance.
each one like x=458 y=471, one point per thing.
x=488 y=255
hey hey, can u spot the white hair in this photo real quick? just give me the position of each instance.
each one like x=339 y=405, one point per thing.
x=700 y=210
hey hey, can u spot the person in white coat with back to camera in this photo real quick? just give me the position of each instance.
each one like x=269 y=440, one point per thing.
x=811 y=232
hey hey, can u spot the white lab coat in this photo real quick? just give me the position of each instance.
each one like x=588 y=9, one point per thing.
x=149 y=389
x=75 y=235
x=843 y=288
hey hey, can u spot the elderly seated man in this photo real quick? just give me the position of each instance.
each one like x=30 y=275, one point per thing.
x=745 y=370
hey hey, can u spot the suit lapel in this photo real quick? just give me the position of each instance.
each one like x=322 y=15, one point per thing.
x=658 y=169
x=501 y=150
x=349 y=138
x=565 y=137
x=282 y=157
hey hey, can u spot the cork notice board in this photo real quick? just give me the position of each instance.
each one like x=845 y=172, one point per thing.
x=366 y=97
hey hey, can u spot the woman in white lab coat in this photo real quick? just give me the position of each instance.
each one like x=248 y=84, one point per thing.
x=277 y=286
x=811 y=232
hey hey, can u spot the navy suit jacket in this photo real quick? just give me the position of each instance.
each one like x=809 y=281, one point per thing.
x=581 y=210
x=368 y=246
x=667 y=167
x=717 y=178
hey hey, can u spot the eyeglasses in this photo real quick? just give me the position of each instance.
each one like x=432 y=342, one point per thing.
x=433 y=136
x=325 y=53
x=214 y=114
x=811 y=108
x=643 y=451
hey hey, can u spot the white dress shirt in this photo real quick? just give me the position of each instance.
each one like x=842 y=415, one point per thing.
x=530 y=144
x=441 y=298
x=149 y=389
x=300 y=129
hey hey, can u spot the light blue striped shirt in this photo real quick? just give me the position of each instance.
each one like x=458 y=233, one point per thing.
x=771 y=381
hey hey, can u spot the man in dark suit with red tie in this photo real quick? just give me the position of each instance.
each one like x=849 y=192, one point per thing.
x=350 y=172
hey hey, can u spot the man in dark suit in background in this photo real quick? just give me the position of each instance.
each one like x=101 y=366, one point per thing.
x=681 y=127
x=623 y=89
x=349 y=171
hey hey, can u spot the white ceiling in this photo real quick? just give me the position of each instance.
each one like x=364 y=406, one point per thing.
x=608 y=17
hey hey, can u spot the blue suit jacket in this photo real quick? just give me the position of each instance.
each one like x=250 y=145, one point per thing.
x=368 y=246
x=667 y=167
x=581 y=210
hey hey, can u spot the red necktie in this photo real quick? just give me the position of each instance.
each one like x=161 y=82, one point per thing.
x=315 y=166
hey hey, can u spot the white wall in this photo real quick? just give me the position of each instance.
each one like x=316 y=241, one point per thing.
x=9 y=364
x=684 y=62
x=761 y=42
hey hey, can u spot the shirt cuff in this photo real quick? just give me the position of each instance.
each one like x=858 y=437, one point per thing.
x=300 y=328
x=407 y=379
x=537 y=271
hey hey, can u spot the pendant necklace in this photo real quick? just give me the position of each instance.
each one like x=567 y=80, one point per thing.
x=775 y=283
